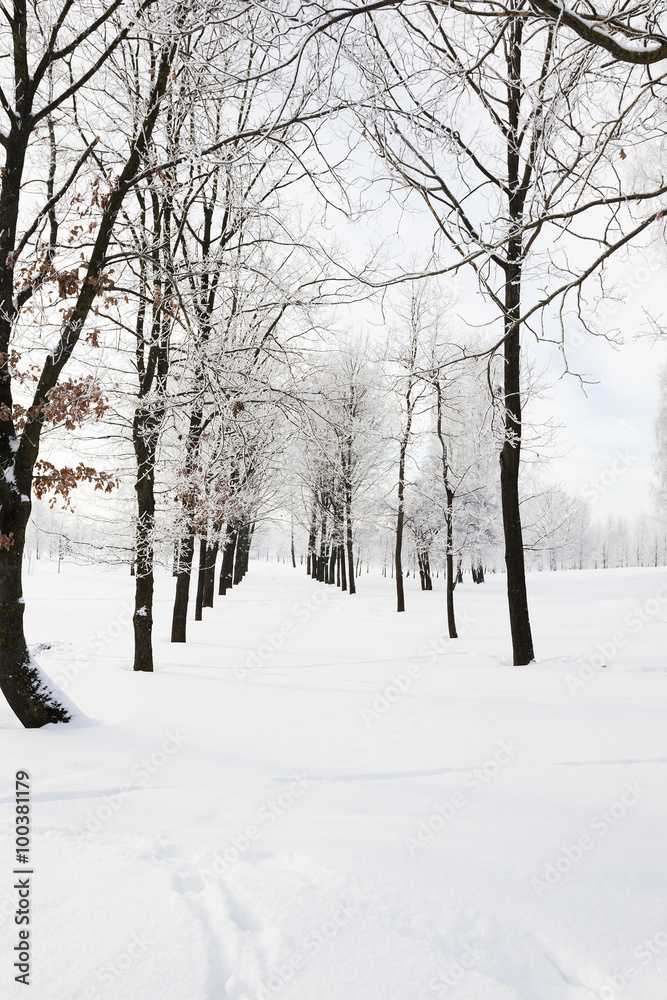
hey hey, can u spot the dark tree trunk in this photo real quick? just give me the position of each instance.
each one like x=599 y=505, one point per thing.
x=186 y=544
x=242 y=550
x=425 y=570
x=322 y=558
x=152 y=362
x=246 y=548
x=522 y=640
x=181 y=600
x=227 y=567
x=450 y=582
x=201 y=579
x=145 y=432
x=142 y=619
x=311 y=567
x=209 y=575
x=343 y=571
x=348 y=461
x=20 y=678
x=422 y=575
x=332 y=563
x=477 y=570
x=518 y=180
x=350 y=553
x=450 y=585
x=400 y=516
x=238 y=555
x=398 y=560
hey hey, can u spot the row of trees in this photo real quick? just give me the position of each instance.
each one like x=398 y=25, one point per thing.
x=378 y=417
x=168 y=173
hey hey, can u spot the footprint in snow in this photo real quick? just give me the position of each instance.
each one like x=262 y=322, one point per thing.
x=188 y=882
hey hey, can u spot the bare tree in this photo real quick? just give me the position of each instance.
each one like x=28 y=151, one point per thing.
x=501 y=203
x=405 y=376
x=42 y=46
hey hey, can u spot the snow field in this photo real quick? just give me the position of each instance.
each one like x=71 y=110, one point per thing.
x=317 y=799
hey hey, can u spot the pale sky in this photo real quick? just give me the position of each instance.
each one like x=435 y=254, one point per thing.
x=605 y=447
x=607 y=441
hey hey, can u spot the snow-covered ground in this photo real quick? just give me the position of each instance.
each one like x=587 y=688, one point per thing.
x=319 y=799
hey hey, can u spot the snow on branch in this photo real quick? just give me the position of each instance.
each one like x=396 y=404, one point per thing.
x=623 y=42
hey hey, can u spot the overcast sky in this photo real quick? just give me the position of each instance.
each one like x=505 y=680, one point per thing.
x=604 y=449
x=607 y=440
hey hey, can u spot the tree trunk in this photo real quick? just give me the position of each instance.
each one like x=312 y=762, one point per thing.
x=180 y=615
x=332 y=563
x=400 y=591
x=246 y=547
x=522 y=640
x=322 y=558
x=422 y=574
x=238 y=555
x=201 y=578
x=145 y=430
x=21 y=680
x=348 y=529
x=242 y=546
x=426 y=563
x=400 y=518
x=311 y=568
x=227 y=567
x=142 y=619
x=343 y=570
x=450 y=582
x=209 y=571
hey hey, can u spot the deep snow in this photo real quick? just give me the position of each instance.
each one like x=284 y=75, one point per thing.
x=368 y=812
